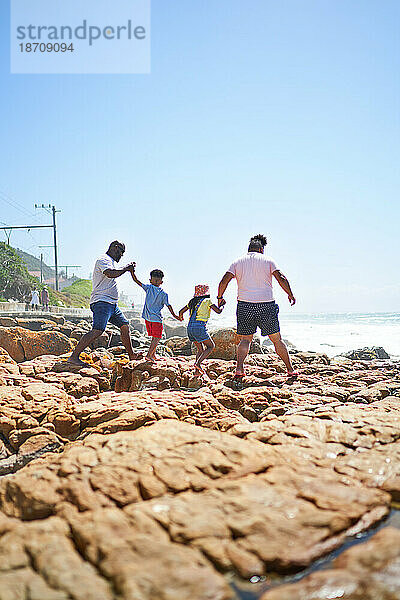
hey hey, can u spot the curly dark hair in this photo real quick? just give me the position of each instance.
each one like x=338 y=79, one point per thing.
x=257 y=243
x=259 y=238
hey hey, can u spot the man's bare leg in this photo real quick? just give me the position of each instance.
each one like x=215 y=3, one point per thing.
x=281 y=350
x=83 y=343
x=242 y=351
x=126 y=340
x=152 y=350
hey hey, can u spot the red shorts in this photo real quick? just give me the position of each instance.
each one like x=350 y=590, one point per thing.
x=154 y=329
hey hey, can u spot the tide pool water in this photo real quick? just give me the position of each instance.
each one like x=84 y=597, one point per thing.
x=334 y=333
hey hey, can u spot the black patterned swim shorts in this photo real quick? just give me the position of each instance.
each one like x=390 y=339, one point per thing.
x=251 y=315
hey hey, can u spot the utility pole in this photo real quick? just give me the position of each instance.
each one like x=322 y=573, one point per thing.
x=54 y=211
x=55 y=245
x=8 y=230
x=41 y=262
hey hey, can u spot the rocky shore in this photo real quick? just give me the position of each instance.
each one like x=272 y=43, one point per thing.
x=130 y=481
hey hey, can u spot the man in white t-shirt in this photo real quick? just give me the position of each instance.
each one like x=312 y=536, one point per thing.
x=256 y=305
x=103 y=301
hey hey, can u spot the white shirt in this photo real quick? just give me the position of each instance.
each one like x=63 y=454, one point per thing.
x=253 y=273
x=105 y=289
x=35 y=297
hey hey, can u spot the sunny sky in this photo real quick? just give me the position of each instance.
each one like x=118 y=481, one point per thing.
x=273 y=117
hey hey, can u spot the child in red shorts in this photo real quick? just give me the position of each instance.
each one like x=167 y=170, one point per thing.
x=156 y=299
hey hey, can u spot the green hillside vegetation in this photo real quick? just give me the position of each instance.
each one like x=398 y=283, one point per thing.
x=76 y=295
x=33 y=264
x=15 y=281
x=82 y=287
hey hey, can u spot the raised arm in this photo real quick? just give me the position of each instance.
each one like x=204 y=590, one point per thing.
x=223 y=284
x=135 y=279
x=114 y=273
x=285 y=285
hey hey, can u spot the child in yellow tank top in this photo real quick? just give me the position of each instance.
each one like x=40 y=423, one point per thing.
x=199 y=308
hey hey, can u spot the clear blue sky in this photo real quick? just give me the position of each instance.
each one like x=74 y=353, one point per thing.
x=274 y=117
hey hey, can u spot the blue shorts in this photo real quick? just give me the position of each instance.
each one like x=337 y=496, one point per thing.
x=197 y=332
x=103 y=312
x=251 y=315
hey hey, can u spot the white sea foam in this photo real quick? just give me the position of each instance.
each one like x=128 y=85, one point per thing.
x=335 y=333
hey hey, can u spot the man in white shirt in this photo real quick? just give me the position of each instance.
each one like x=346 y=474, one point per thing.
x=103 y=301
x=256 y=305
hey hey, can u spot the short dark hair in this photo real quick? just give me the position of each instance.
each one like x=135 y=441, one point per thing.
x=117 y=244
x=157 y=273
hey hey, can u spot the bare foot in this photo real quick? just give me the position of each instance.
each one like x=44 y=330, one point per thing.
x=292 y=374
x=200 y=371
x=239 y=374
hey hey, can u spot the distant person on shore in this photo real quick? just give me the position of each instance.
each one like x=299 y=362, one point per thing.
x=44 y=296
x=35 y=299
x=155 y=301
x=200 y=307
x=103 y=301
x=256 y=306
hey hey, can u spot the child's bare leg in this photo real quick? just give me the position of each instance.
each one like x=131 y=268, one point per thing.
x=199 y=347
x=152 y=350
x=209 y=347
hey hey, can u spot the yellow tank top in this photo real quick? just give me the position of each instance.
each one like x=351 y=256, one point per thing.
x=204 y=310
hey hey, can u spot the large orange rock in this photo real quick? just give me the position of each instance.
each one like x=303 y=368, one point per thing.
x=22 y=344
x=225 y=341
x=10 y=341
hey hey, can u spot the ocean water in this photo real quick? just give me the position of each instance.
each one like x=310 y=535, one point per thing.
x=334 y=333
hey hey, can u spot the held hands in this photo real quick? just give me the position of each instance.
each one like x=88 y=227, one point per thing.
x=130 y=267
x=221 y=302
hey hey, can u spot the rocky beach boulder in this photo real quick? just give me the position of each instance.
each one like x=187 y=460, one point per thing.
x=129 y=479
x=179 y=346
x=23 y=344
x=368 y=571
x=368 y=354
x=173 y=330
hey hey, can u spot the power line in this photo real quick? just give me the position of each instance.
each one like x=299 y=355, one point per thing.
x=7 y=229
x=16 y=205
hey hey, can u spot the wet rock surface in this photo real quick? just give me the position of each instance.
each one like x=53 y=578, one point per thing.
x=368 y=571
x=131 y=480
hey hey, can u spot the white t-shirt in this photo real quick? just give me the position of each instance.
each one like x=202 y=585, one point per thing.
x=35 y=297
x=104 y=288
x=253 y=273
